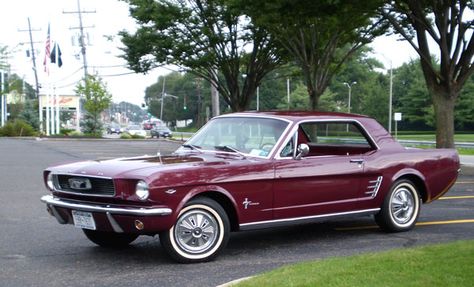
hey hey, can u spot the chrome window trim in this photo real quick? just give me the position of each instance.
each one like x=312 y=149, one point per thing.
x=293 y=219
x=297 y=124
x=270 y=153
x=56 y=182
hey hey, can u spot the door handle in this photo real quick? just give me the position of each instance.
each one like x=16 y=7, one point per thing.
x=357 y=160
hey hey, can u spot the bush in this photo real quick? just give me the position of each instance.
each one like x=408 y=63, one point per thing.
x=137 y=137
x=125 y=136
x=67 y=132
x=17 y=128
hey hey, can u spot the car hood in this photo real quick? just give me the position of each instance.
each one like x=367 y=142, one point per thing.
x=142 y=167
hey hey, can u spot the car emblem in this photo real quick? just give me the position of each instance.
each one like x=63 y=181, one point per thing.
x=247 y=202
x=79 y=183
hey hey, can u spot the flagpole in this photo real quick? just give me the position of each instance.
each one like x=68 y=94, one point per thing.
x=48 y=102
x=40 y=107
x=57 y=112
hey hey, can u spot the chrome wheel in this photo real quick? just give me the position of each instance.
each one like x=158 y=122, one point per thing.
x=200 y=232
x=196 y=231
x=402 y=205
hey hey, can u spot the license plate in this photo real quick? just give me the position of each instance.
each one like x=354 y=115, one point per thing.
x=83 y=220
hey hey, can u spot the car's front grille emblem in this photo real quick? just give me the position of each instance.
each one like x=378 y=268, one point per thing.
x=79 y=183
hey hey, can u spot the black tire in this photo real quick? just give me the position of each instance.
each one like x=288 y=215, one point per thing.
x=190 y=241
x=109 y=239
x=401 y=207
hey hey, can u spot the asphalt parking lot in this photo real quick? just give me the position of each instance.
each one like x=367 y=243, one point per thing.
x=36 y=251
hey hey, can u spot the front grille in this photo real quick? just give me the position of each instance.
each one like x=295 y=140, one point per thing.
x=98 y=186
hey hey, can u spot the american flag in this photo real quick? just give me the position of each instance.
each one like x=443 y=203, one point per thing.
x=47 y=54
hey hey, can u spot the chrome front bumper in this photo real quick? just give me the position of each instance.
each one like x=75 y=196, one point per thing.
x=53 y=202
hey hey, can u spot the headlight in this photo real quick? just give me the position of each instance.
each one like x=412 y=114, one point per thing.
x=49 y=181
x=141 y=190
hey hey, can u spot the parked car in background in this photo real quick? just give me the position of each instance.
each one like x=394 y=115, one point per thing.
x=136 y=130
x=161 y=131
x=114 y=128
x=251 y=170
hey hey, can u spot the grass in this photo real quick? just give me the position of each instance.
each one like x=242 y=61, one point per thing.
x=432 y=137
x=461 y=151
x=435 y=265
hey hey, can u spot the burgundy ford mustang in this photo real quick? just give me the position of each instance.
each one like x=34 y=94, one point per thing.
x=251 y=170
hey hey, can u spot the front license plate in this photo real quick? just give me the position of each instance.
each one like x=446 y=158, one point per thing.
x=83 y=220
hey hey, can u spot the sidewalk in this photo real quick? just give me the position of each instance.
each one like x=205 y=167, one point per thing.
x=467 y=160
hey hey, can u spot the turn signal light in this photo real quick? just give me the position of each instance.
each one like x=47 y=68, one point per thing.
x=139 y=225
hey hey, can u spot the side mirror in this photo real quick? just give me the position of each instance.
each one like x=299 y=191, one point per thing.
x=302 y=150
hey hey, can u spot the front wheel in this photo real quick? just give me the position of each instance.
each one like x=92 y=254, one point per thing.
x=401 y=207
x=200 y=233
x=109 y=239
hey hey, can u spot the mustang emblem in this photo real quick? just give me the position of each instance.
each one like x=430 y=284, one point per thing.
x=247 y=202
x=79 y=183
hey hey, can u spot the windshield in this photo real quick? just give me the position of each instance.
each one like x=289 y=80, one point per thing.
x=247 y=135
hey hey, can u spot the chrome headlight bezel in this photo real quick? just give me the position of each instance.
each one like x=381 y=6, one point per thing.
x=49 y=181
x=141 y=190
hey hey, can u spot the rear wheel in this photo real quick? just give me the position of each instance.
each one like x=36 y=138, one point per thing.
x=200 y=232
x=109 y=239
x=401 y=207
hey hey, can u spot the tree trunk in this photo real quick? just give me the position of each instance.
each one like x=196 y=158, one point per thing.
x=444 y=116
x=314 y=101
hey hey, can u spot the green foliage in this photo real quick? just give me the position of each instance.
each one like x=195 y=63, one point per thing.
x=211 y=39
x=435 y=265
x=319 y=36
x=97 y=99
x=125 y=136
x=449 y=25
x=17 y=128
x=67 y=132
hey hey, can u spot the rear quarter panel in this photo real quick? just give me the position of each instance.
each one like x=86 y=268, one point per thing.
x=434 y=170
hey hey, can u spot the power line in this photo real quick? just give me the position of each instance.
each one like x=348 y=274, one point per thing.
x=81 y=28
x=33 y=53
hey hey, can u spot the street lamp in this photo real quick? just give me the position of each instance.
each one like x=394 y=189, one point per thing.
x=349 y=86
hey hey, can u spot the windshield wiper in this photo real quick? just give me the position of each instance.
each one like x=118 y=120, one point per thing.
x=193 y=147
x=231 y=149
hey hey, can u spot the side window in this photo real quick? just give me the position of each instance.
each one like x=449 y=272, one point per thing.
x=287 y=151
x=336 y=138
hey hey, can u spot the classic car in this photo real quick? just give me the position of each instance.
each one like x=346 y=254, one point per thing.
x=251 y=170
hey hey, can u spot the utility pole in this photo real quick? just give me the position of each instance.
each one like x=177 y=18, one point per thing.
x=198 y=109
x=33 y=54
x=33 y=58
x=214 y=94
x=82 y=43
x=81 y=28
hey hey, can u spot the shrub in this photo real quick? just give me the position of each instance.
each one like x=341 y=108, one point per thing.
x=125 y=136
x=67 y=132
x=17 y=128
x=137 y=137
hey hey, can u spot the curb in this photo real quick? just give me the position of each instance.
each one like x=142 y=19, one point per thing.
x=233 y=282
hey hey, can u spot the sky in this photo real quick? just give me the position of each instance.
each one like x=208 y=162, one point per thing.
x=109 y=17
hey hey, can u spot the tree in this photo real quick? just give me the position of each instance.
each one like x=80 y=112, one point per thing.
x=97 y=99
x=450 y=27
x=210 y=39
x=319 y=35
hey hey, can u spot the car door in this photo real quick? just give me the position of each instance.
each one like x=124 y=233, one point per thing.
x=327 y=180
